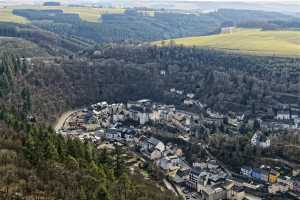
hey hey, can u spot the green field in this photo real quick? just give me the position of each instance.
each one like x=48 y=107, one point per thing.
x=86 y=13
x=6 y=15
x=282 y=43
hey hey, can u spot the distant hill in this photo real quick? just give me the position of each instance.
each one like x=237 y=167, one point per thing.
x=254 y=41
x=40 y=40
x=85 y=13
x=6 y=15
x=137 y=25
x=74 y=28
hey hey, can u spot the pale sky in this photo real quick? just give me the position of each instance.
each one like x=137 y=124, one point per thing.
x=247 y=1
x=136 y=1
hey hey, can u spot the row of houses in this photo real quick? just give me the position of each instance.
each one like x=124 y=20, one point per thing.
x=285 y=184
x=121 y=134
x=106 y=114
x=144 y=111
x=207 y=179
x=141 y=111
x=288 y=114
x=287 y=118
x=206 y=173
x=278 y=183
x=165 y=155
x=213 y=186
x=262 y=174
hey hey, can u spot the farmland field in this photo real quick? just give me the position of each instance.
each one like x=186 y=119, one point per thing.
x=255 y=41
x=86 y=13
x=6 y=15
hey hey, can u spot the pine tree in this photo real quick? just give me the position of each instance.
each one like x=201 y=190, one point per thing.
x=103 y=194
x=29 y=150
x=24 y=66
x=50 y=152
x=119 y=164
x=26 y=96
x=82 y=194
x=124 y=185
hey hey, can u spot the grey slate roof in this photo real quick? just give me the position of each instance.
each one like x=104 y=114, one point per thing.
x=153 y=141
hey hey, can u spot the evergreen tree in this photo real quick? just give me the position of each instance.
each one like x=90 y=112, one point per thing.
x=26 y=96
x=50 y=151
x=119 y=164
x=256 y=125
x=83 y=195
x=103 y=194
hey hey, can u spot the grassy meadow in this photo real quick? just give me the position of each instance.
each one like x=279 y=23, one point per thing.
x=6 y=15
x=255 y=41
x=86 y=13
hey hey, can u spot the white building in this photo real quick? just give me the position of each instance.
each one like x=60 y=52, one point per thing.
x=126 y=134
x=246 y=171
x=258 y=139
x=162 y=72
x=179 y=92
x=162 y=112
x=189 y=102
x=118 y=117
x=168 y=163
x=278 y=187
x=287 y=181
x=190 y=95
x=139 y=114
x=113 y=134
x=153 y=148
x=283 y=115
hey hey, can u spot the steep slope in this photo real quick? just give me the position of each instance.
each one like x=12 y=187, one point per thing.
x=226 y=82
x=21 y=47
x=53 y=43
x=36 y=163
x=135 y=25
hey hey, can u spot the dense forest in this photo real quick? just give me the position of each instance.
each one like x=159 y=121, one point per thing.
x=135 y=26
x=271 y=24
x=236 y=151
x=49 y=42
x=225 y=82
x=59 y=33
x=219 y=79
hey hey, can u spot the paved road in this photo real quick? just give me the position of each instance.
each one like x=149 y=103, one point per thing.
x=288 y=163
x=251 y=197
x=169 y=186
x=179 y=191
x=294 y=195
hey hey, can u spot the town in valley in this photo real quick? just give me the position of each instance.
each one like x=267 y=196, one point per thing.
x=155 y=135
x=150 y=100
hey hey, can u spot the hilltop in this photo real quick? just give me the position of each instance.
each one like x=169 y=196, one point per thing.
x=254 y=41
x=89 y=14
x=105 y=25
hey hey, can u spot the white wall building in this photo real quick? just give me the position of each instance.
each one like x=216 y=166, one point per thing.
x=283 y=115
x=259 y=140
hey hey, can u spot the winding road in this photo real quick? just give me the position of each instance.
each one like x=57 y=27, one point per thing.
x=63 y=118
